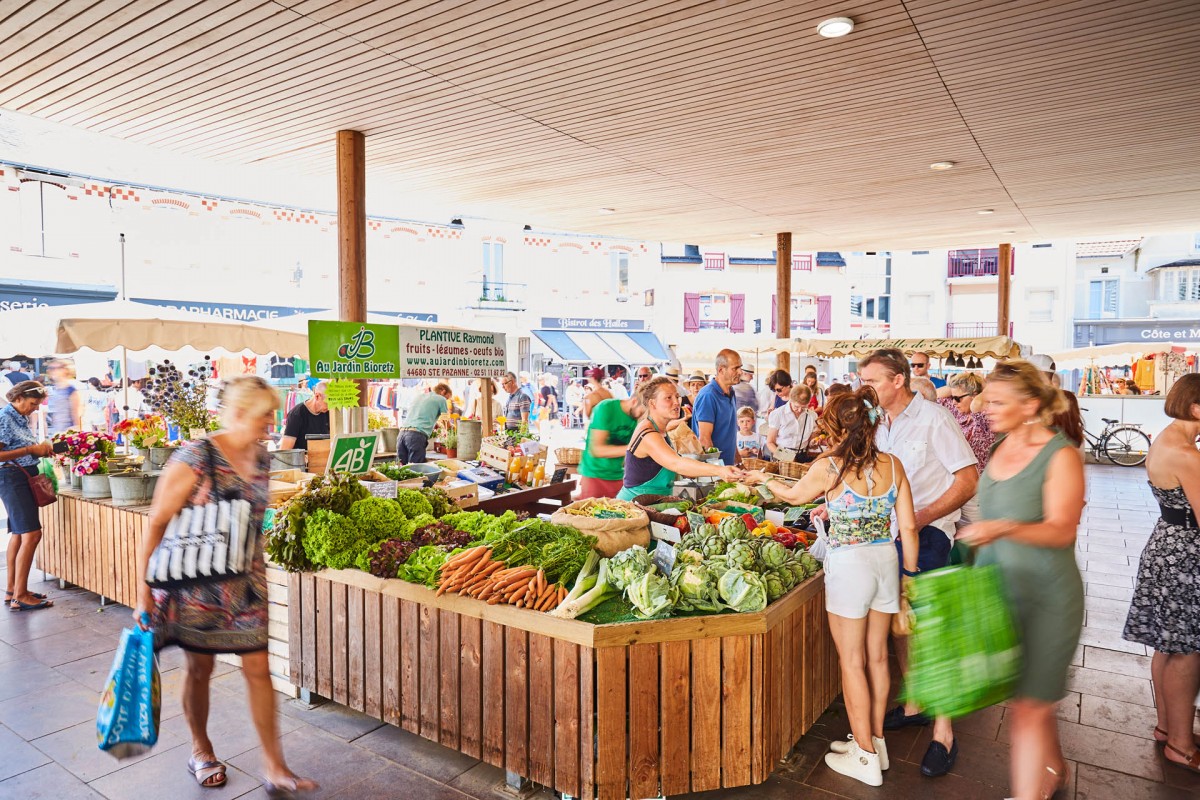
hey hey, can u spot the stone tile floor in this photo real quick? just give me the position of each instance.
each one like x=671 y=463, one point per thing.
x=52 y=665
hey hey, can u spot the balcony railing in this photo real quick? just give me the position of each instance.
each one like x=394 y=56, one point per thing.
x=496 y=294
x=972 y=330
x=972 y=263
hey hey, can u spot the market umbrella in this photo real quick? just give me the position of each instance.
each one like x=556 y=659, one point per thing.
x=1123 y=353
x=985 y=347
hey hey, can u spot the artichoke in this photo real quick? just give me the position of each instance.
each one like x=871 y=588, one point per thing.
x=706 y=530
x=811 y=565
x=799 y=573
x=742 y=591
x=774 y=584
x=692 y=541
x=741 y=555
x=786 y=577
x=713 y=546
x=734 y=528
x=773 y=554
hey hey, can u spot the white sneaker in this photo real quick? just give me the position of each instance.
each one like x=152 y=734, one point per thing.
x=880 y=749
x=858 y=764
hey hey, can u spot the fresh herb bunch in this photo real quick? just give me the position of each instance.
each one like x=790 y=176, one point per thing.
x=334 y=491
x=181 y=397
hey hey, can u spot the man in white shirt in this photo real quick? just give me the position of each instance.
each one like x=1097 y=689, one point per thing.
x=940 y=466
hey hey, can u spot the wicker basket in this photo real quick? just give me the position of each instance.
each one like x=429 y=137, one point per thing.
x=792 y=469
x=770 y=467
x=568 y=456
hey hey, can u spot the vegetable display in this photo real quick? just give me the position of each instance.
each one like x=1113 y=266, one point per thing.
x=397 y=472
x=476 y=574
x=333 y=492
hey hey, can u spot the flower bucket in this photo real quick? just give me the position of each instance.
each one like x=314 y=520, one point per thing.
x=158 y=457
x=288 y=459
x=388 y=437
x=139 y=452
x=132 y=488
x=95 y=486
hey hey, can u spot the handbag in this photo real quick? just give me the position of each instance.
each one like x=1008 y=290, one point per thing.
x=127 y=720
x=39 y=486
x=207 y=541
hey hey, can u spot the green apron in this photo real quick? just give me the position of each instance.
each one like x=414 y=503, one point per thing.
x=662 y=483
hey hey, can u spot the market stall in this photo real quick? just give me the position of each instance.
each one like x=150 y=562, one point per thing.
x=982 y=347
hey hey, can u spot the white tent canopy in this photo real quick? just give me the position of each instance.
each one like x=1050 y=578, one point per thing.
x=1123 y=353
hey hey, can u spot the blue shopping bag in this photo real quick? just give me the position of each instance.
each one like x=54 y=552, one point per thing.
x=131 y=705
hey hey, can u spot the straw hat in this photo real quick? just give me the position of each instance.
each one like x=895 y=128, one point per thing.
x=673 y=373
x=697 y=376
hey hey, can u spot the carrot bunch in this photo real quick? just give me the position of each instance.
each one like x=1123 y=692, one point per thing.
x=475 y=574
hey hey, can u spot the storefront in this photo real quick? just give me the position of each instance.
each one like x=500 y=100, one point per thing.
x=43 y=294
x=578 y=343
x=1096 y=332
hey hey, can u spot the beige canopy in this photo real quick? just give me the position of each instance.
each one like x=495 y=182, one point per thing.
x=985 y=347
x=1124 y=353
x=136 y=326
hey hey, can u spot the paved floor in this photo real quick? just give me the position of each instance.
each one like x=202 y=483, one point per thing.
x=52 y=664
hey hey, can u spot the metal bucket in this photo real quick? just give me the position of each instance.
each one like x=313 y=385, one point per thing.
x=157 y=459
x=288 y=459
x=470 y=436
x=132 y=488
x=95 y=486
x=387 y=439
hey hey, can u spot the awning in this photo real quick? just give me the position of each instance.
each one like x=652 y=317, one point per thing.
x=989 y=346
x=603 y=347
x=1113 y=354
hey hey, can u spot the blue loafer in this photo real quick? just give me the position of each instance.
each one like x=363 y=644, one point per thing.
x=896 y=719
x=938 y=761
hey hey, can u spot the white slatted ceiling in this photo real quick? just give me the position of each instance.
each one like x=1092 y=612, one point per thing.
x=698 y=120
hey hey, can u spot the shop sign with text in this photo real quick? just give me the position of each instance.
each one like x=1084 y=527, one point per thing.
x=430 y=352
x=593 y=324
x=354 y=350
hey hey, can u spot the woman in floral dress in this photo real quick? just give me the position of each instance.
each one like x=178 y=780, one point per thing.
x=229 y=616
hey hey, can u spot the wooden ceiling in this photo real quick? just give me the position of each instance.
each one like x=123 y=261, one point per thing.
x=696 y=121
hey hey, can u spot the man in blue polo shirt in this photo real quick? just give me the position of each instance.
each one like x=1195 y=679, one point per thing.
x=714 y=413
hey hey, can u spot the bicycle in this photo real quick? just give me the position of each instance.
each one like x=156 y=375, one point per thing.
x=1126 y=445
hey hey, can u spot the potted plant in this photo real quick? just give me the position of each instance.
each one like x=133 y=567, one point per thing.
x=181 y=397
x=92 y=470
x=450 y=442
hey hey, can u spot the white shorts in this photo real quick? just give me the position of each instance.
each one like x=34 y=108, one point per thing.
x=862 y=578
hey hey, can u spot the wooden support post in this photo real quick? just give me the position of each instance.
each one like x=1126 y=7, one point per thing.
x=1004 y=272
x=486 y=394
x=783 y=296
x=352 y=236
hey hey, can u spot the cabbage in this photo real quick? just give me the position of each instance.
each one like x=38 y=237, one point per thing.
x=743 y=591
x=696 y=586
x=651 y=595
x=773 y=554
x=628 y=566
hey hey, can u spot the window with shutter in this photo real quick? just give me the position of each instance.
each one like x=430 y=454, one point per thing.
x=824 y=313
x=691 y=313
x=737 y=313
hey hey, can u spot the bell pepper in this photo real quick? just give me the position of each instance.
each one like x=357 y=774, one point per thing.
x=681 y=522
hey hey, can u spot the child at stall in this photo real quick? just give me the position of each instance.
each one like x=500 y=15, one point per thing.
x=749 y=441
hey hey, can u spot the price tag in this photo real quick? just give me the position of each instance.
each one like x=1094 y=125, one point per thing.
x=268 y=520
x=794 y=514
x=385 y=489
x=353 y=453
x=664 y=558
x=665 y=533
x=785 y=454
x=342 y=393
x=694 y=520
x=559 y=475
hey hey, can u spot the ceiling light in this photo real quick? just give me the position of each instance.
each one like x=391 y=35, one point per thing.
x=836 y=26
x=942 y=165
x=985 y=211
x=608 y=211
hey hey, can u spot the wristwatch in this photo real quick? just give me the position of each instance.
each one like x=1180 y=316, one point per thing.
x=910 y=574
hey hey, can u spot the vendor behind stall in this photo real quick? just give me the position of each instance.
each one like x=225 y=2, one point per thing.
x=602 y=467
x=422 y=418
x=309 y=418
x=651 y=465
x=714 y=417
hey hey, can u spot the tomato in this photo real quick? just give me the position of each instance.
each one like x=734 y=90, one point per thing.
x=681 y=522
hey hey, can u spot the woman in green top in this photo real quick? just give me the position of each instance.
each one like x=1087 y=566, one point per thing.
x=651 y=464
x=1030 y=500
x=608 y=434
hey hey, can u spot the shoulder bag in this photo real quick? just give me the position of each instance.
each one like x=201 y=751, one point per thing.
x=39 y=486
x=209 y=540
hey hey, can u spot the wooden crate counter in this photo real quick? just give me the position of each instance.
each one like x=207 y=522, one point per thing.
x=540 y=500
x=94 y=545
x=611 y=711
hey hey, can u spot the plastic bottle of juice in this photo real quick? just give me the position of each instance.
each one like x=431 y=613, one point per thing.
x=527 y=477
x=539 y=474
x=514 y=470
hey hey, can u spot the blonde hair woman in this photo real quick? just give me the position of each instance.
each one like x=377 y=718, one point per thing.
x=1030 y=500
x=229 y=616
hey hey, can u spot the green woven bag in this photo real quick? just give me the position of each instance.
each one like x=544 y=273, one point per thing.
x=964 y=650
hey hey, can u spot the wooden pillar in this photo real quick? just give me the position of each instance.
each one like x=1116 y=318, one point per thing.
x=1004 y=272
x=352 y=245
x=486 y=394
x=783 y=297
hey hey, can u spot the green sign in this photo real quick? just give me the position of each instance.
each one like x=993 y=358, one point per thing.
x=353 y=453
x=342 y=393
x=354 y=350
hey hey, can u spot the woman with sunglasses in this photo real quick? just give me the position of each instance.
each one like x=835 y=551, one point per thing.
x=19 y=454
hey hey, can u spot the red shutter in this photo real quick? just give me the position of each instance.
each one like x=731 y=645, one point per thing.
x=691 y=313
x=824 y=313
x=774 y=311
x=737 y=313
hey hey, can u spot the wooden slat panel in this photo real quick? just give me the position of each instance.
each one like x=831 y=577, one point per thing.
x=324 y=664
x=760 y=723
x=644 y=720
x=516 y=701
x=611 y=718
x=429 y=667
x=470 y=679
x=339 y=645
x=448 y=725
x=566 y=717
x=410 y=666
x=373 y=640
x=706 y=714
x=675 y=667
x=308 y=632
x=542 y=678
x=356 y=647
x=494 y=679
x=295 y=634
x=392 y=659
x=587 y=715
x=735 y=710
